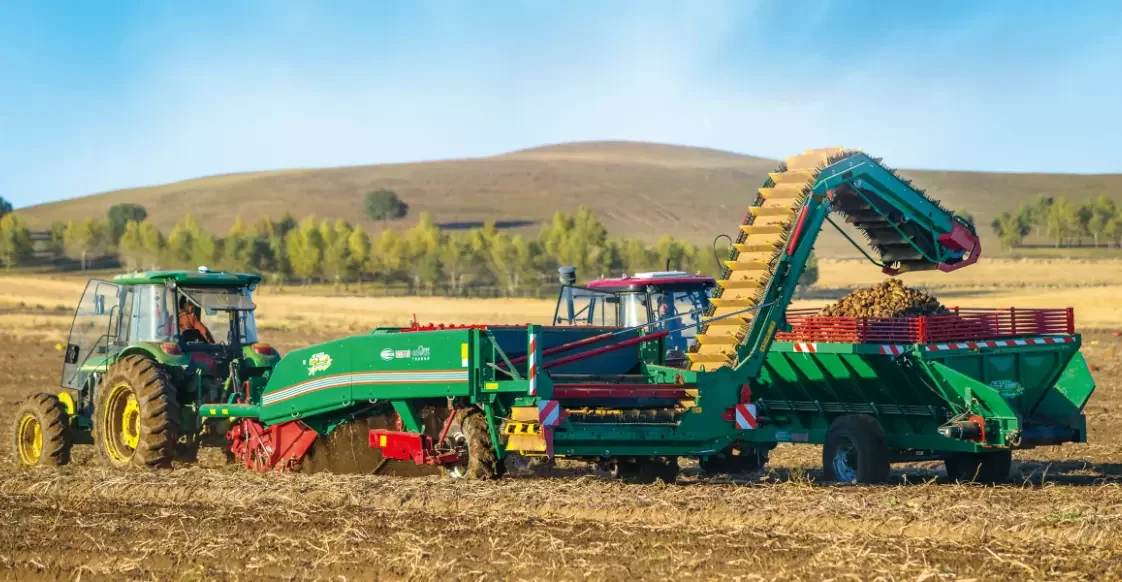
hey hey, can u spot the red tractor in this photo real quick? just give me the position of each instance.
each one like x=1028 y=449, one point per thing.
x=674 y=301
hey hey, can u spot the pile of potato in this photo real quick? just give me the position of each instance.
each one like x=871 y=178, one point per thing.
x=889 y=298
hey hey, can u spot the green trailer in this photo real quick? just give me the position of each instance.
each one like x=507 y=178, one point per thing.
x=638 y=372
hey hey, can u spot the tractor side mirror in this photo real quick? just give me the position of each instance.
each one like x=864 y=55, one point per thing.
x=72 y=354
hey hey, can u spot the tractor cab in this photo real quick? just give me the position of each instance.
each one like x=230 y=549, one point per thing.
x=144 y=312
x=674 y=301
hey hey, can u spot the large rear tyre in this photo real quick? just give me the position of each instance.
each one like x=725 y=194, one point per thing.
x=856 y=450
x=469 y=435
x=42 y=433
x=990 y=467
x=136 y=415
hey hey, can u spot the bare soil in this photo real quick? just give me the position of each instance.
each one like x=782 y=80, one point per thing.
x=1060 y=517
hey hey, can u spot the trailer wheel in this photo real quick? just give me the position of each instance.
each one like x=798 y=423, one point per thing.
x=41 y=431
x=991 y=467
x=136 y=415
x=469 y=434
x=856 y=450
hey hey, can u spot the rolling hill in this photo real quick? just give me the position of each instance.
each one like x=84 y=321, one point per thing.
x=637 y=189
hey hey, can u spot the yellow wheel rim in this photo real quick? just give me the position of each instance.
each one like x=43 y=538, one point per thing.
x=121 y=419
x=30 y=437
x=130 y=423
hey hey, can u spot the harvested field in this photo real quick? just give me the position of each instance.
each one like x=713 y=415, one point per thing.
x=1061 y=517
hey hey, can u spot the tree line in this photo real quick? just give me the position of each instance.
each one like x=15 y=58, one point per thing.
x=422 y=259
x=1062 y=222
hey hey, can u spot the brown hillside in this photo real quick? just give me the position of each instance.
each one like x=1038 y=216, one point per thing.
x=638 y=189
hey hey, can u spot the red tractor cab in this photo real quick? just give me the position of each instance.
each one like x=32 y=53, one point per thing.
x=674 y=301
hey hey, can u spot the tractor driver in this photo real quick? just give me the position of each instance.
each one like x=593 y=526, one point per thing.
x=191 y=328
x=669 y=320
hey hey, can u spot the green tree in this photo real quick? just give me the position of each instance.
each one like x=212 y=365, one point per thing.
x=238 y=247
x=511 y=261
x=459 y=259
x=85 y=239
x=1063 y=220
x=1011 y=228
x=56 y=238
x=336 y=249
x=1102 y=212
x=181 y=241
x=358 y=249
x=141 y=244
x=120 y=214
x=387 y=258
x=305 y=249
x=384 y=205
x=15 y=240
x=634 y=256
x=579 y=240
x=1037 y=211
x=5 y=207
x=421 y=253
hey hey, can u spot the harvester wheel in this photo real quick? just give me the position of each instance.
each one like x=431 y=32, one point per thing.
x=856 y=450
x=136 y=415
x=469 y=434
x=41 y=431
x=990 y=467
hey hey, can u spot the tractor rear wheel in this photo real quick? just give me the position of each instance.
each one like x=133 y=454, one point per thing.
x=136 y=415
x=990 y=467
x=856 y=450
x=470 y=435
x=42 y=432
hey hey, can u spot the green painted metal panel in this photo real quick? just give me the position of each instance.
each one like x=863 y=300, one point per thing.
x=1066 y=400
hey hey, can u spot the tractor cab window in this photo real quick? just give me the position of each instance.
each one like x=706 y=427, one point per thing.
x=151 y=317
x=680 y=313
x=633 y=309
x=216 y=315
x=581 y=306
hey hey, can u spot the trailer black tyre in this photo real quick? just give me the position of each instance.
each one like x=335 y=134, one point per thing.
x=990 y=467
x=856 y=450
x=136 y=415
x=470 y=434
x=42 y=432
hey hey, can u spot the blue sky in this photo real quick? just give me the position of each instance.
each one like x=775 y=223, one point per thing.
x=104 y=95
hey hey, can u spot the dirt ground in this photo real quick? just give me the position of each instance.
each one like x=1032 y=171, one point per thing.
x=1060 y=517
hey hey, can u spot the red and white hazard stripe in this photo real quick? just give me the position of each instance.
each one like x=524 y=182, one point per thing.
x=532 y=365
x=808 y=348
x=892 y=350
x=549 y=413
x=1000 y=343
x=745 y=416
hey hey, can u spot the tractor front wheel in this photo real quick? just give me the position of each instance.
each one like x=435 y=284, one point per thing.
x=136 y=415
x=469 y=435
x=42 y=433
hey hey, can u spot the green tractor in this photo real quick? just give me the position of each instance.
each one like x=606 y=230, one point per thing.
x=145 y=351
